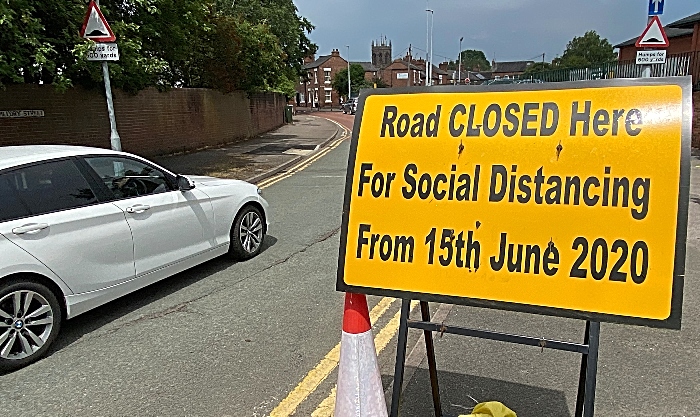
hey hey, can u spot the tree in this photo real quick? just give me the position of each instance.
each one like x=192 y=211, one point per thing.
x=254 y=45
x=538 y=67
x=472 y=60
x=587 y=50
x=281 y=16
x=357 y=80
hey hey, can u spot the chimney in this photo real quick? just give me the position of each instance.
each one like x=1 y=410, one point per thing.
x=443 y=66
x=309 y=58
x=335 y=53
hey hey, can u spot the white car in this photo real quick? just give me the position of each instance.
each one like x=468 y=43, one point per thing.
x=82 y=226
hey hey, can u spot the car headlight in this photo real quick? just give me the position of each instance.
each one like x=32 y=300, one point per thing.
x=259 y=191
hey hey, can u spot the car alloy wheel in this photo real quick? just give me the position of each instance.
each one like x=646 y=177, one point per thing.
x=28 y=324
x=251 y=232
x=248 y=233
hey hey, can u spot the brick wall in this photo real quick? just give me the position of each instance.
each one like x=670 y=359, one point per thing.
x=149 y=123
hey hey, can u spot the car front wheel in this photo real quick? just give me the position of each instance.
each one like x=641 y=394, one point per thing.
x=247 y=233
x=30 y=318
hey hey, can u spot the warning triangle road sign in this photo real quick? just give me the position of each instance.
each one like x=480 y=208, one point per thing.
x=653 y=36
x=95 y=26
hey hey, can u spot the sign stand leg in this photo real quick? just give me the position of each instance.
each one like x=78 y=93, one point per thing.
x=591 y=369
x=400 y=357
x=585 y=399
x=432 y=367
x=582 y=375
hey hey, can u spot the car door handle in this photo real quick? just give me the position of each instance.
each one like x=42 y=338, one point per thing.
x=137 y=208
x=30 y=229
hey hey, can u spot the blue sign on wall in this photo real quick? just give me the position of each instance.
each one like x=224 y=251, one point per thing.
x=656 y=7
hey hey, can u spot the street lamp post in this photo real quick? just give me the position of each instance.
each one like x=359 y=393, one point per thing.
x=429 y=46
x=459 y=70
x=349 y=91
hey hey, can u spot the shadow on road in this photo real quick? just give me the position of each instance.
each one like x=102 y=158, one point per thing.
x=73 y=330
x=456 y=389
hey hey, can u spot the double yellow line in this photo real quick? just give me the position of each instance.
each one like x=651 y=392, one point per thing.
x=305 y=163
x=320 y=372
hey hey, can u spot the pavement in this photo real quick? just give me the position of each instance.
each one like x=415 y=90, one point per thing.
x=255 y=159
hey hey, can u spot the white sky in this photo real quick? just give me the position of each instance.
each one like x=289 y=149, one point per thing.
x=509 y=30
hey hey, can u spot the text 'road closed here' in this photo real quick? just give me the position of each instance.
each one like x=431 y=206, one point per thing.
x=569 y=199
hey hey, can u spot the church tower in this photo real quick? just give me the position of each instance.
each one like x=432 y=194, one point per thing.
x=381 y=53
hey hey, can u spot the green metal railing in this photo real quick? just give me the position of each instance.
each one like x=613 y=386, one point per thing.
x=676 y=65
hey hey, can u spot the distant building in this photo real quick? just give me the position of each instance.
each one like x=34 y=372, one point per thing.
x=316 y=90
x=509 y=69
x=381 y=53
x=371 y=71
x=683 y=37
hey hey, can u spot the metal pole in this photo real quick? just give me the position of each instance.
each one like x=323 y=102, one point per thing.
x=646 y=69
x=408 y=67
x=349 y=91
x=432 y=367
x=581 y=394
x=459 y=71
x=427 y=45
x=113 y=136
x=400 y=357
x=431 y=47
x=591 y=369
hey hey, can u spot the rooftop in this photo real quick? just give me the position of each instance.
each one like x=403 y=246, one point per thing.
x=511 y=66
x=670 y=33
x=685 y=23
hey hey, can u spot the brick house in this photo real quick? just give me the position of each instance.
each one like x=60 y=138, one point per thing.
x=509 y=69
x=680 y=41
x=316 y=90
x=409 y=72
x=684 y=45
x=401 y=73
x=371 y=71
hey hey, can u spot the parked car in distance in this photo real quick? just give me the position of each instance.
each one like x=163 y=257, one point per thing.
x=530 y=81
x=350 y=106
x=82 y=226
x=501 y=81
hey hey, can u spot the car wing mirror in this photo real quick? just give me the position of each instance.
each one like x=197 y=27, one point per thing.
x=184 y=183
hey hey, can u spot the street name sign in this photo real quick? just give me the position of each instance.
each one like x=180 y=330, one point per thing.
x=653 y=36
x=566 y=199
x=104 y=52
x=651 y=57
x=656 y=7
x=95 y=26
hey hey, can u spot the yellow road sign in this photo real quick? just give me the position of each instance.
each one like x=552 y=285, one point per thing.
x=565 y=199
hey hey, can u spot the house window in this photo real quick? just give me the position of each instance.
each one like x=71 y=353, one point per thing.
x=328 y=94
x=316 y=75
x=440 y=78
x=301 y=80
x=302 y=99
x=327 y=75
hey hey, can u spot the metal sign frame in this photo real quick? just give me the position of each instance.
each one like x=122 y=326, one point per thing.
x=585 y=398
x=674 y=319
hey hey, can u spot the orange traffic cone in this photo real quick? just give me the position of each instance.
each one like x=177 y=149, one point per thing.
x=359 y=392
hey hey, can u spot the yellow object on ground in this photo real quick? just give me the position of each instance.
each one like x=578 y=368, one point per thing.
x=491 y=409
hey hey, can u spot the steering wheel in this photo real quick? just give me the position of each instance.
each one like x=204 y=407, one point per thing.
x=133 y=187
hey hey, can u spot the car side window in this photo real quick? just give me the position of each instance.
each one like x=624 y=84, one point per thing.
x=12 y=205
x=126 y=177
x=43 y=188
